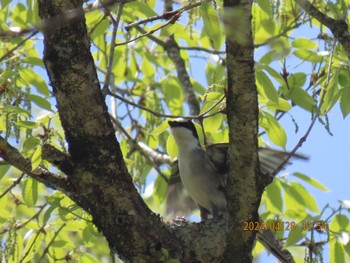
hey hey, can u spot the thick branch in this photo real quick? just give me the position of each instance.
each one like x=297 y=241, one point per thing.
x=13 y=157
x=59 y=159
x=338 y=27
x=243 y=190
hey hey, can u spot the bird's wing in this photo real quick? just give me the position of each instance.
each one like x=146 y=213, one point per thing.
x=179 y=201
x=270 y=159
x=217 y=154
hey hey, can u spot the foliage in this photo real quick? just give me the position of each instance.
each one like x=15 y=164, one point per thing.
x=144 y=87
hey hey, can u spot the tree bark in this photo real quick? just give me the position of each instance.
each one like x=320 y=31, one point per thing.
x=244 y=189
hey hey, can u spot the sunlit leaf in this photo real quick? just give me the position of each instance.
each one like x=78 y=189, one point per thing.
x=32 y=78
x=344 y=101
x=304 y=43
x=161 y=128
x=308 y=55
x=296 y=235
x=274 y=130
x=213 y=123
x=336 y=252
x=211 y=22
x=268 y=88
x=339 y=223
x=274 y=202
x=48 y=213
x=171 y=147
x=41 y=102
x=311 y=181
x=27 y=124
x=30 y=192
x=36 y=158
x=30 y=144
x=301 y=196
x=302 y=98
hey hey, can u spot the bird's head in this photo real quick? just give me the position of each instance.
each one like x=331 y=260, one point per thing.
x=184 y=132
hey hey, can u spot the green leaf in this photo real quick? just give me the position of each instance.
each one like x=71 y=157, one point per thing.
x=27 y=124
x=339 y=223
x=213 y=123
x=302 y=99
x=296 y=235
x=301 y=196
x=41 y=102
x=274 y=202
x=32 y=78
x=274 y=130
x=36 y=158
x=30 y=192
x=161 y=128
x=308 y=55
x=283 y=105
x=331 y=95
x=19 y=15
x=304 y=43
x=171 y=147
x=147 y=68
x=173 y=94
x=47 y=214
x=337 y=252
x=87 y=258
x=140 y=9
x=343 y=79
x=211 y=22
x=3 y=170
x=59 y=243
x=30 y=144
x=88 y=232
x=272 y=72
x=34 y=61
x=160 y=190
x=18 y=110
x=268 y=90
x=311 y=181
x=345 y=101
x=266 y=6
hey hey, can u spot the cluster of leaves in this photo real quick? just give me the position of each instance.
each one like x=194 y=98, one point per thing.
x=144 y=87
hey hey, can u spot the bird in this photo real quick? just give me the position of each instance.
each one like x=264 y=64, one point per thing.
x=204 y=172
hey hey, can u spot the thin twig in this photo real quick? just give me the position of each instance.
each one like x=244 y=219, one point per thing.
x=12 y=185
x=170 y=21
x=19 y=226
x=165 y=15
x=33 y=243
x=157 y=114
x=316 y=116
x=141 y=149
x=18 y=45
x=46 y=250
x=216 y=52
x=111 y=50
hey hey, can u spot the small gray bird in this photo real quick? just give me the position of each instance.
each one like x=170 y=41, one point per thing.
x=204 y=173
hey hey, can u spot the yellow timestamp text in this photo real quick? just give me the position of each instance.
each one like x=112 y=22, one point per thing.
x=283 y=226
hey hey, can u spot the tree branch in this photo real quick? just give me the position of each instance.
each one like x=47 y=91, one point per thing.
x=244 y=188
x=14 y=157
x=338 y=27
